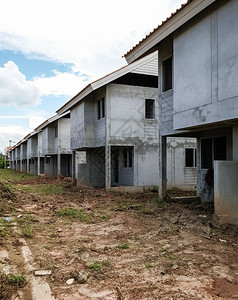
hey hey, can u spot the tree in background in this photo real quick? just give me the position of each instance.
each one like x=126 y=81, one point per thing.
x=3 y=161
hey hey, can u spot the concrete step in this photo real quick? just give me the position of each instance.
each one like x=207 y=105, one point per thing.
x=186 y=199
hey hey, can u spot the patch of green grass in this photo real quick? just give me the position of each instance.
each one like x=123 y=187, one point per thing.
x=4 y=228
x=123 y=246
x=106 y=263
x=12 y=175
x=26 y=226
x=95 y=266
x=17 y=280
x=159 y=202
x=43 y=189
x=48 y=247
x=9 y=285
x=167 y=254
x=74 y=213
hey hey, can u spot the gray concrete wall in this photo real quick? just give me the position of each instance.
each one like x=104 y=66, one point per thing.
x=226 y=191
x=64 y=136
x=206 y=68
x=91 y=171
x=126 y=125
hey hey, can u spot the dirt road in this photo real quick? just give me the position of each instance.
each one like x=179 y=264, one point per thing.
x=110 y=245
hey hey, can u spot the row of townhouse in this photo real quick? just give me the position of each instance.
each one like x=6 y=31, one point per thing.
x=198 y=89
x=45 y=151
x=107 y=135
x=129 y=127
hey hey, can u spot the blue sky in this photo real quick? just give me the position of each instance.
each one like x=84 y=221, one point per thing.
x=50 y=50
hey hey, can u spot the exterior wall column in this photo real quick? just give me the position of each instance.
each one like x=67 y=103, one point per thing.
x=73 y=167
x=58 y=164
x=38 y=165
x=235 y=142
x=162 y=167
x=108 y=167
x=162 y=184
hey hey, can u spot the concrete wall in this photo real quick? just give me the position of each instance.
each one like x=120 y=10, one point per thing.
x=206 y=68
x=64 y=136
x=85 y=129
x=226 y=191
x=91 y=171
x=49 y=141
x=126 y=125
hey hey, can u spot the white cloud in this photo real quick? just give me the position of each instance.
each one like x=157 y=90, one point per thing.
x=13 y=133
x=15 y=89
x=62 y=83
x=92 y=35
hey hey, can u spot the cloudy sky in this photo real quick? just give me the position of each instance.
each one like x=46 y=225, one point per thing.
x=51 y=49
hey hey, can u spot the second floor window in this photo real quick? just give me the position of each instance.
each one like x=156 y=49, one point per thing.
x=167 y=74
x=56 y=131
x=101 y=109
x=149 y=108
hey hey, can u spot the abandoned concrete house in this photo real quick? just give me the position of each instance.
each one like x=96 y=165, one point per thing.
x=198 y=63
x=46 y=150
x=114 y=132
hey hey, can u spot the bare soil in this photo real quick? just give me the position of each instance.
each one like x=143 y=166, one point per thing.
x=131 y=246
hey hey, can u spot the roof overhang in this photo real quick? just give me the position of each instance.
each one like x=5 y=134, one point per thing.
x=134 y=67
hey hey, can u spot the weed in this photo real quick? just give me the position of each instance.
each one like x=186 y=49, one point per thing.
x=147 y=210
x=48 y=247
x=96 y=266
x=123 y=246
x=26 y=227
x=106 y=263
x=4 y=228
x=168 y=254
x=17 y=280
x=74 y=213
x=148 y=264
x=9 y=284
x=158 y=201
x=154 y=189
x=104 y=217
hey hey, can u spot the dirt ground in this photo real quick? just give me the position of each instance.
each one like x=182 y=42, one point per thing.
x=124 y=246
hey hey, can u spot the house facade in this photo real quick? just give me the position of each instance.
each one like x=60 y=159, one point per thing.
x=114 y=131
x=198 y=94
x=46 y=150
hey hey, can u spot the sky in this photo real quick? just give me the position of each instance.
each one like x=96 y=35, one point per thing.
x=52 y=49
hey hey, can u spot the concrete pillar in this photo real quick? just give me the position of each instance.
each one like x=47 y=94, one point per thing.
x=162 y=166
x=108 y=167
x=38 y=165
x=28 y=165
x=58 y=164
x=235 y=142
x=73 y=167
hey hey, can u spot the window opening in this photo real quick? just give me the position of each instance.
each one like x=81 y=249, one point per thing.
x=101 y=109
x=167 y=74
x=212 y=149
x=149 y=108
x=190 y=157
x=56 y=131
x=128 y=157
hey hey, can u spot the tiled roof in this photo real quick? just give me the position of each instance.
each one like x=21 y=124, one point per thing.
x=159 y=26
